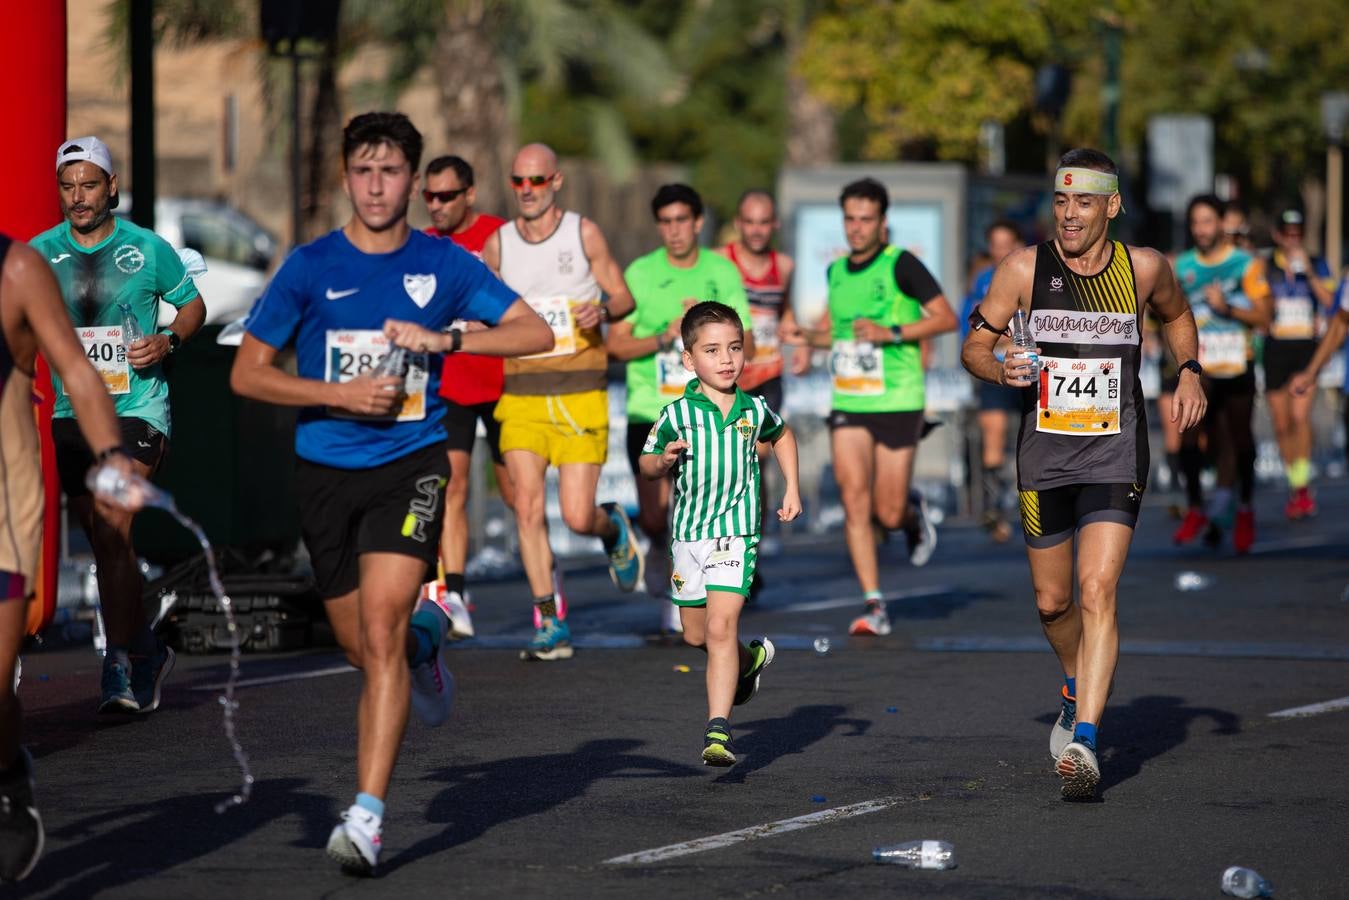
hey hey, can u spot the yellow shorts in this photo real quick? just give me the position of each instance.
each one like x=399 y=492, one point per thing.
x=561 y=428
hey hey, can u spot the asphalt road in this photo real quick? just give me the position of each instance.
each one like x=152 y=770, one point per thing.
x=583 y=778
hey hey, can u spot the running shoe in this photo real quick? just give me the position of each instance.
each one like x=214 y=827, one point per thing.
x=1080 y=772
x=717 y=750
x=1191 y=526
x=552 y=640
x=1061 y=735
x=1292 y=510
x=876 y=621
x=148 y=675
x=1243 y=535
x=761 y=654
x=432 y=691
x=455 y=607
x=355 y=842
x=922 y=536
x=21 y=834
x=1306 y=503
x=116 y=683
x=625 y=563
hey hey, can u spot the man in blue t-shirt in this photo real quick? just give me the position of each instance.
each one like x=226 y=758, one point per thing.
x=365 y=308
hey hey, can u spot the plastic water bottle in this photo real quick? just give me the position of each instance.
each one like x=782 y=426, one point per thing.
x=1243 y=882
x=822 y=645
x=1022 y=337
x=918 y=855
x=131 y=329
x=126 y=490
x=393 y=365
x=100 y=632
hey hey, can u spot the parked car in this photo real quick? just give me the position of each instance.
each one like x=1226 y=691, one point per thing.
x=238 y=251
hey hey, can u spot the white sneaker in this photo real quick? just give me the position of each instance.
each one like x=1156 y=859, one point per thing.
x=455 y=607
x=670 y=622
x=1061 y=735
x=432 y=691
x=1080 y=772
x=923 y=541
x=355 y=841
x=874 y=622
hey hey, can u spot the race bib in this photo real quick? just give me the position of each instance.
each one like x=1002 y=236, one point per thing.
x=857 y=368
x=671 y=376
x=1293 y=319
x=764 y=325
x=356 y=352
x=556 y=311
x=104 y=348
x=1079 y=396
x=1222 y=353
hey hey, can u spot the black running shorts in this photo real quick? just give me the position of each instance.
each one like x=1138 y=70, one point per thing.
x=1284 y=359
x=461 y=427
x=144 y=442
x=1051 y=517
x=895 y=430
x=394 y=508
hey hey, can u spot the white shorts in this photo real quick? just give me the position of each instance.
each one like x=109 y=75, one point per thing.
x=715 y=564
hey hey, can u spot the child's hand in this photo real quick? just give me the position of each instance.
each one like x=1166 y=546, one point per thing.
x=791 y=506
x=670 y=455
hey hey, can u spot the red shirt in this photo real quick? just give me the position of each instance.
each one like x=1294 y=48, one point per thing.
x=464 y=378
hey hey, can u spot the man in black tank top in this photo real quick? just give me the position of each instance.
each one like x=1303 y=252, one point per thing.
x=32 y=318
x=1082 y=448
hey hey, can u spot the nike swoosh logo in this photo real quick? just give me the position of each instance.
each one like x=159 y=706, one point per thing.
x=338 y=295
x=59 y=258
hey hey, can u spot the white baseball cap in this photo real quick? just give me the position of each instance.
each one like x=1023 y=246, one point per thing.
x=85 y=149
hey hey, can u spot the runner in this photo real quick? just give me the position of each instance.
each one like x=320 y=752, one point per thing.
x=767 y=275
x=372 y=468
x=996 y=403
x=883 y=302
x=470 y=386
x=32 y=318
x=666 y=283
x=1303 y=291
x=1304 y=382
x=555 y=408
x=1082 y=452
x=108 y=269
x=718 y=429
x=1229 y=298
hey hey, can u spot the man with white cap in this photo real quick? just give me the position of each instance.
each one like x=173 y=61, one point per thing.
x=1082 y=452
x=112 y=275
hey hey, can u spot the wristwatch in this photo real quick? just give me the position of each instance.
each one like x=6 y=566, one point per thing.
x=1193 y=366
x=604 y=311
x=456 y=340
x=896 y=334
x=174 y=340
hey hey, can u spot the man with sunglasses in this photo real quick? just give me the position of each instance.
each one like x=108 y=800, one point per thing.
x=470 y=385
x=554 y=410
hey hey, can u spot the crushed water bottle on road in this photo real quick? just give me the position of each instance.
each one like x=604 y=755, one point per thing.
x=918 y=855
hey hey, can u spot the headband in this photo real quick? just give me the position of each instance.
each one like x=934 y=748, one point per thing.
x=1086 y=181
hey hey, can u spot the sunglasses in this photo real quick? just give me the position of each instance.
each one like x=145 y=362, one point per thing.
x=534 y=180
x=443 y=196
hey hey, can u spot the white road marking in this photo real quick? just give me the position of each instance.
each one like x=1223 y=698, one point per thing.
x=853 y=600
x=754 y=832
x=277 y=679
x=1314 y=709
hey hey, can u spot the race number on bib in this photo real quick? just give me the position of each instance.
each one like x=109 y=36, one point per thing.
x=1222 y=353
x=1080 y=397
x=356 y=352
x=765 y=329
x=671 y=376
x=857 y=368
x=105 y=350
x=1293 y=320
x=556 y=311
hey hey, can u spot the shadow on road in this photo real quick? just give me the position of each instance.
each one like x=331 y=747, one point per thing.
x=1147 y=728
x=761 y=742
x=481 y=796
x=149 y=838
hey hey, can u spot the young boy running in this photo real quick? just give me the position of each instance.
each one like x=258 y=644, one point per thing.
x=709 y=438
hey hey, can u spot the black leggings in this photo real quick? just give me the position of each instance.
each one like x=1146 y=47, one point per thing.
x=1231 y=442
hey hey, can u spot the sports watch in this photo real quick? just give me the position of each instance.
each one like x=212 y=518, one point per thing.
x=1193 y=366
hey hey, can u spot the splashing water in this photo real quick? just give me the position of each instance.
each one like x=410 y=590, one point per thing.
x=132 y=491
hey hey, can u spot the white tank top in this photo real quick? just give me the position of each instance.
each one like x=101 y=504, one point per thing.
x=553 y=275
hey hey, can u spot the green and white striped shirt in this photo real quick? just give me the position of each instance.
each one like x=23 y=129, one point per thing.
x=716 y=489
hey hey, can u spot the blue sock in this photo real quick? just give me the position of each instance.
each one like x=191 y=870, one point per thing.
x=1085 y=733
x=370 y=804
x=426 y=629
x=1072 y=686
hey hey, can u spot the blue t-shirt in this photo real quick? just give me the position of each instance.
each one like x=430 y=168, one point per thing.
x=332 y=300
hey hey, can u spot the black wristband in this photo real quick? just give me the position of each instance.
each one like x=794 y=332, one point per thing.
x=105 y=455
x=1193 y=365
x=456 y=340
